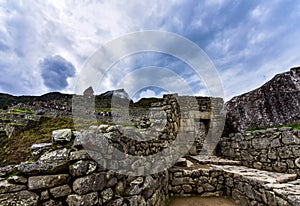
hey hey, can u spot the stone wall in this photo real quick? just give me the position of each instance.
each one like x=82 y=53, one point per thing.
x=270 y=149
x=246 y=186
x=185 y=117
x=202 y=182
x=65 y=174
x=63 y=177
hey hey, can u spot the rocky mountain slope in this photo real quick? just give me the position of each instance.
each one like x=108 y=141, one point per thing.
x=275 y=103
x=7 y=100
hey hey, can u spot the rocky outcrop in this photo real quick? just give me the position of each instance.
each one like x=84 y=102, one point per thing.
x=275 y=103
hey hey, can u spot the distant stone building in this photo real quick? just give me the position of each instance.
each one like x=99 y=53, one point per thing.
x=88 y=92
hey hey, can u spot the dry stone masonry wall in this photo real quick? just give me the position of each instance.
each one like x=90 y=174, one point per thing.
x=65 y=173
x=271 y=149
x=226 y=178
x=71 y=177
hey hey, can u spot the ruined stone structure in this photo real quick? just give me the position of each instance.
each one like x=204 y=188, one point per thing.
x=84 y=167
x=13 y=123
x=65 y=174
x=271 y=149
x=245 y=185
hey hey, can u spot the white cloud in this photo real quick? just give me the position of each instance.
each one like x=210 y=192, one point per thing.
x=260 y=13
x=248 y=44
x=149 y=93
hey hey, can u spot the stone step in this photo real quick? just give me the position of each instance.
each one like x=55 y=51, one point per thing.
x=247 y=186
x=282 y=185
x=255 y=175
x=204 y=159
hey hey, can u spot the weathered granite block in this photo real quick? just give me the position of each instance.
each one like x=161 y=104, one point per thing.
x=47 y=181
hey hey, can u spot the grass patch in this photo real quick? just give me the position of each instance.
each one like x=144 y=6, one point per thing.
x=294 y=126
x=18 y=148
x=103 y=110
x=16 y=124
x=21 y=111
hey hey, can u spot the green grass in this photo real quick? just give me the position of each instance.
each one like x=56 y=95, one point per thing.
x=18 y=148
x=16 y=124
x=21 y=111
x=294 y=126
x=103 y=110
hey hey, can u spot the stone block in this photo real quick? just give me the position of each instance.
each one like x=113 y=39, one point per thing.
x=80 y=155
x=280 y=167
x=261 y=143
x=17 y=180
x=47 y=181
x=19 y=198
x=90 y=183
x=55 y=155
x=288 y=138
x=43 y=167
x=61 y=191
x=107 y=195
x=90 y=199
x=6 y=187
x=38 y=149
x=6 y=170
x=62 y=135
x=44 y=195
x=82 y=167
x=52 y=203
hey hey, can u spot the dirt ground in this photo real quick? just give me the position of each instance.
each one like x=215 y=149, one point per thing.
x=201 y=201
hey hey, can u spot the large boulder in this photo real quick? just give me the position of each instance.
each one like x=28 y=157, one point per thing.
x=273 y=104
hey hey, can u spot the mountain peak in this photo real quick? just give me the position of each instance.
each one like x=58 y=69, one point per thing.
x=121 y=93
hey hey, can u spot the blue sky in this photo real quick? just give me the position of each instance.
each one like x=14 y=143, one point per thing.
x=44 y=44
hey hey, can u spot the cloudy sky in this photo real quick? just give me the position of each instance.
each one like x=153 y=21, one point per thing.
x=44 y=45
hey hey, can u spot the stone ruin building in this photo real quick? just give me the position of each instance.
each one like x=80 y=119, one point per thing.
x=260 y=167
